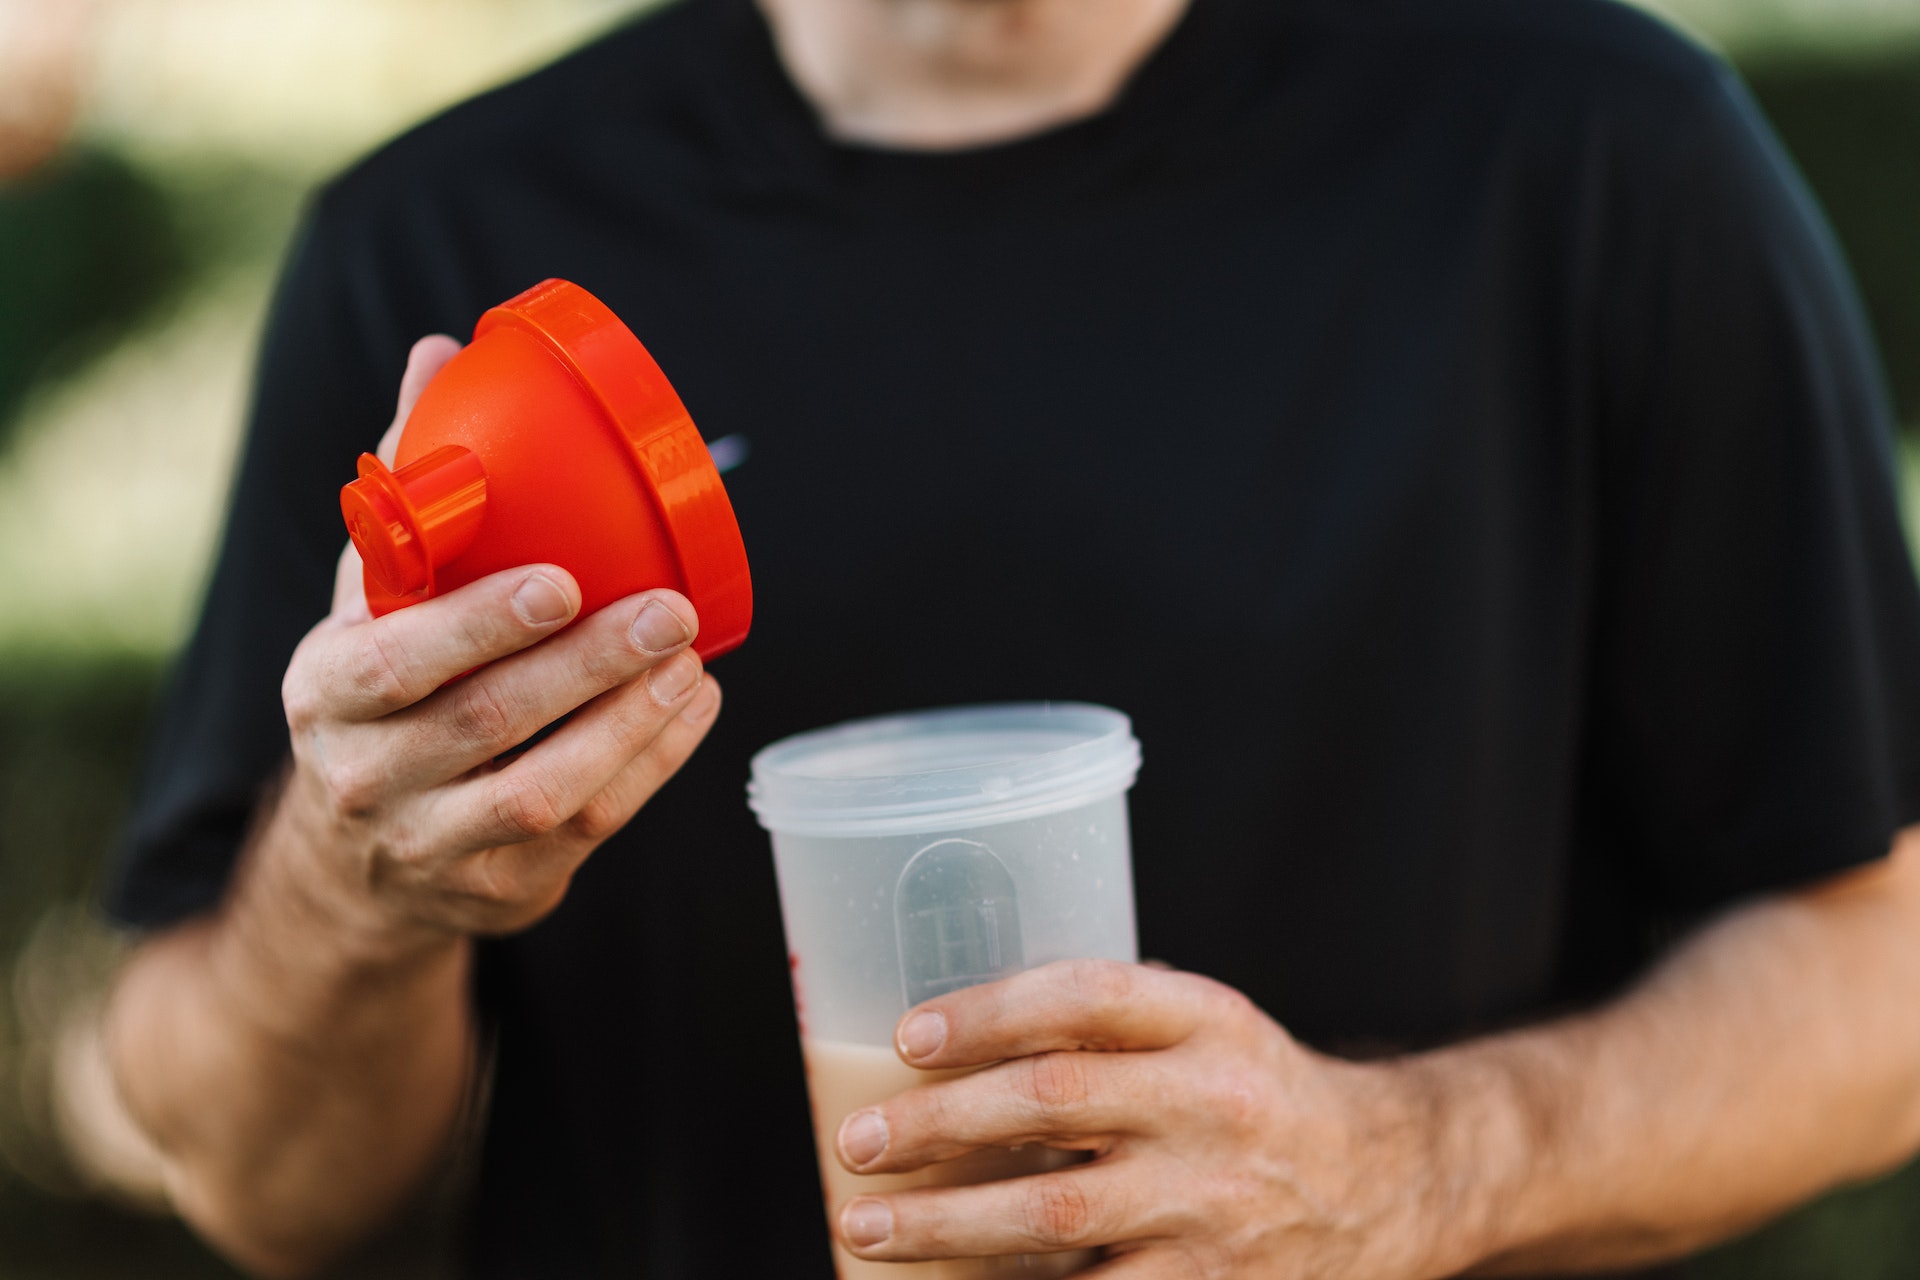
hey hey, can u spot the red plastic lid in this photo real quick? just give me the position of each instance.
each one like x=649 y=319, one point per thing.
x=610 y=362
x=553 y=436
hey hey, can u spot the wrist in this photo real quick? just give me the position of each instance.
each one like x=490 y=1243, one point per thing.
x=301 y=944
x=303 y=866
x=1473 y=1150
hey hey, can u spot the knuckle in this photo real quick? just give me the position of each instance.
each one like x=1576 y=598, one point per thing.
x=1058 y=1084
x=522 y=808
x=1100 y=984
x=634 y=720
x=408 y=852
x=511 y=899
x=377 y=673
x=601 y=655
x=1227 y=1000
x=539 y=900
x=924 y=1112
x=671 y=743
x=298 y=695
x=604 y=663
x=1058 y=1212
x=478 y=631
x=1203 y=1260
x=303 y=685
x=493 y=881
x=299 y=700
x=600 y=818
x=353 y=787
x=1236 y=1096
x=482 y=717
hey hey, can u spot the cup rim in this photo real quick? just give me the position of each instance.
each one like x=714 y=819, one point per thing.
x=944 y=769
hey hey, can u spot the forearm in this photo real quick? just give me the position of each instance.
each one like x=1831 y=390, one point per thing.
x=301 y=1076
x=1772 y=1057
x=302 y=1057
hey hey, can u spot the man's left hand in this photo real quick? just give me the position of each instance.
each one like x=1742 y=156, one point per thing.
x=1220 y=1146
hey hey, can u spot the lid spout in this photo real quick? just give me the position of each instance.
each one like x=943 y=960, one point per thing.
x=409 y=522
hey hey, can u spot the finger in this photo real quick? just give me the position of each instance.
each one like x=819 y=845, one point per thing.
x=1071 y=1004
x=544 y=790
x=1078 y=1208
x=536 y=872
x=428 y=356
x=491 y=712
x=1181 y=1259
x=349 y=590
x=1066 y=1100
x=616 y=803
x=373 y=669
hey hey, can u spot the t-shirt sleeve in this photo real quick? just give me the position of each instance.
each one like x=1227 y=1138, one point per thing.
x=324 y=392
x=1755 y=708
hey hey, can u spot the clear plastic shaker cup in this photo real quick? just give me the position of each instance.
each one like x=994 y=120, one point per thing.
x=918 y=854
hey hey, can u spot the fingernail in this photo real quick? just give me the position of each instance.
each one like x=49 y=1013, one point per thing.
x=923 y=1033
x=863 y=1137
x=658 y=628
x=672 y=678
x=867 y=1222
x=539 y=600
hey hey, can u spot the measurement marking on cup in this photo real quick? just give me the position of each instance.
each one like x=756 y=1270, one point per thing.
x=957 y=920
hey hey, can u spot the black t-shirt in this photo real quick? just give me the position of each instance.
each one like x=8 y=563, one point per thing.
x=1443 y=425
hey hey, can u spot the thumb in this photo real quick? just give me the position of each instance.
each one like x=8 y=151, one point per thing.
x=350 y=590
x=428 y=357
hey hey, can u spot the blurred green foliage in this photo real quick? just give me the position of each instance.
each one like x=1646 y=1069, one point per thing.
x=1865 y=1233
x=88 y=246
x=71 y=732
x=1854 y=126
x=70 y=739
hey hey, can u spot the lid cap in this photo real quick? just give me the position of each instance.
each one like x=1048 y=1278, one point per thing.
x=945 y=770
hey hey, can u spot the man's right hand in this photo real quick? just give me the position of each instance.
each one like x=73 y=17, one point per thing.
x=301 y=1055
x=416 y=809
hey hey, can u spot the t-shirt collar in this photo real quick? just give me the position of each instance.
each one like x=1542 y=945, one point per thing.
x=782 y=134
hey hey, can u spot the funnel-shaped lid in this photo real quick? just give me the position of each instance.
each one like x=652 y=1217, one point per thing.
x=672 y=459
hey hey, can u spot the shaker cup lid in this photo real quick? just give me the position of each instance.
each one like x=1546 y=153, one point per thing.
x=943 y=770
x=553 y=436
x=586 y=336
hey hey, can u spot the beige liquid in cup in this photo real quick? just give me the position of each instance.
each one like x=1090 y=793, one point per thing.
x=842 y=1078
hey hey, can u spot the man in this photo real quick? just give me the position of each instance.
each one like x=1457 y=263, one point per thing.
x=1441 y=424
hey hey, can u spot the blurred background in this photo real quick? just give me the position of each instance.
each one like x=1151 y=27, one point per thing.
x=154 y=155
